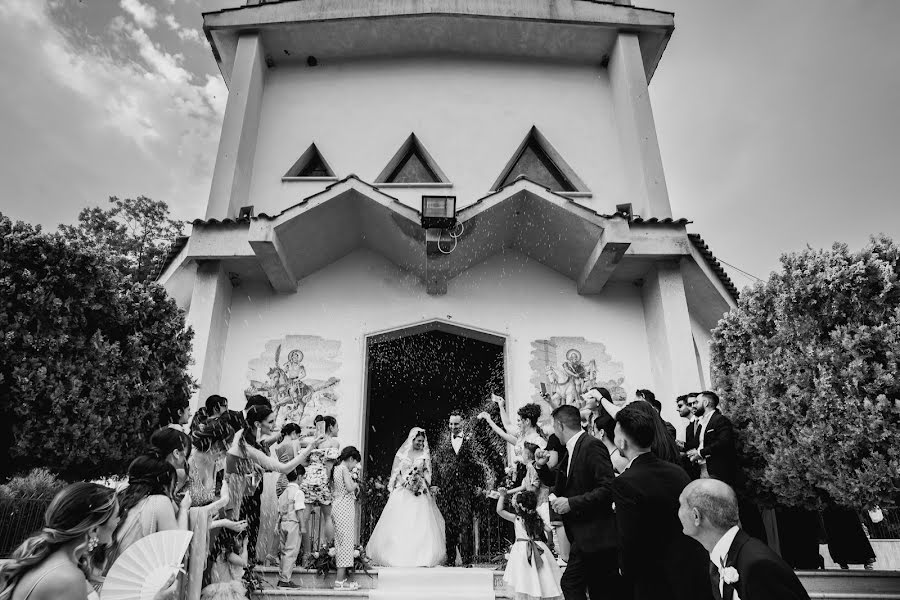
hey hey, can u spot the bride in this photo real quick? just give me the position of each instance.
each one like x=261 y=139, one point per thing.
x=410 y=531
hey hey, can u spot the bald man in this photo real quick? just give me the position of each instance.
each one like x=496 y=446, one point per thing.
x=747 y=569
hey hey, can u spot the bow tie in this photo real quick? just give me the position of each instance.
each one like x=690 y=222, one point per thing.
x=457 y=435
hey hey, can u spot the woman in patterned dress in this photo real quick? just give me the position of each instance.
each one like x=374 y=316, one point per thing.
x=316 y=485
x=343 y=515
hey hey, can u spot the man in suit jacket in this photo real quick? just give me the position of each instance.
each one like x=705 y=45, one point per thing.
x=657 y=559
x=691 y=431
x=456 y=477
x=583 y=472
x=715 y=451
x=743 y=567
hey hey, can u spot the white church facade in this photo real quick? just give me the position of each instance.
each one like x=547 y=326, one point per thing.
x=529 y=121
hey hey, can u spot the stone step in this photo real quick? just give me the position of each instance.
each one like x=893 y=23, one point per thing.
x=821 y=585
x=873 y=584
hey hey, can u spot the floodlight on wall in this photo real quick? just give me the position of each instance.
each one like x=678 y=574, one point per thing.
x=438 y=212
x=246 y=212
x=626 y=210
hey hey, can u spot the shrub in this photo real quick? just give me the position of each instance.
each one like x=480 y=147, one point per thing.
x=39 y=483
x=808 y=365
x=87 y=357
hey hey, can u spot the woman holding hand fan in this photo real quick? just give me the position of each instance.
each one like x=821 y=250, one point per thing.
x=55 y=563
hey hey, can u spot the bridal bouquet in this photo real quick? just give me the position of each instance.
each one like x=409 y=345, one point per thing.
x=415 y=482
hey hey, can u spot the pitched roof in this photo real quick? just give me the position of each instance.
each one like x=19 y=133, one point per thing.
x=714 y=264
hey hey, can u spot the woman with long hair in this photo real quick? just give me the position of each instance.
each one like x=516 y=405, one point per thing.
x=245 y=462
x=209 y=442
x=55 y=563
x=148 y=504
x=174 y=445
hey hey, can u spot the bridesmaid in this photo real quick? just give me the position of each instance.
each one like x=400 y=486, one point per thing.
x=343 y=515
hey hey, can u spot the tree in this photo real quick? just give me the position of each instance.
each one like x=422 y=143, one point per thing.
x=809 y=364
x=136 y=231
x=87 y=358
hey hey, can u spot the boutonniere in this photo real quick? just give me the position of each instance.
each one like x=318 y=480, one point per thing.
x=730 y=575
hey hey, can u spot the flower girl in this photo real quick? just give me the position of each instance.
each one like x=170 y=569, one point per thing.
x=531 y=570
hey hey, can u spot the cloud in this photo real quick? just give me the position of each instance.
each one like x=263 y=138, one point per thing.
x=122 y=116
x=143 y=15
x=185 y=34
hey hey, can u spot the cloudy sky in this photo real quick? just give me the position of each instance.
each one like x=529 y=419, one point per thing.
x=778 y=121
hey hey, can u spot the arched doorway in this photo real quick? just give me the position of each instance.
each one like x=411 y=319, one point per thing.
x=415 y=376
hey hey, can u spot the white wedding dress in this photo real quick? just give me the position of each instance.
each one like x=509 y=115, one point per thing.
x=410 y=531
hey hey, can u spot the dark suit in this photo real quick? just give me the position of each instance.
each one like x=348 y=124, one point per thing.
x=657 y=559
x=590 y=524
x=691 y=442
x=762 y=574
x=718 y=448
x=457 y=476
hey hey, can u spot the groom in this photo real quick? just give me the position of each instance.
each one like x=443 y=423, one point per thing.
x=457 y=477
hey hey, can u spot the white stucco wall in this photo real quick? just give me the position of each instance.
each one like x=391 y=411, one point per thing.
x=471 y=115
x=702 y=337
x=328 y=304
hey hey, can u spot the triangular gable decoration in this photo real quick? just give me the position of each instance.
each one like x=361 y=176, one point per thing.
x=310 y=164
x=537 y=160
x=412 y=164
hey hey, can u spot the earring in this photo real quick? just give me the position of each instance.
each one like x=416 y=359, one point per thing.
x=92 y=542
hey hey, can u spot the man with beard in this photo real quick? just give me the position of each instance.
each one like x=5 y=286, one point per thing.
x=457 y=480
x=715 y=453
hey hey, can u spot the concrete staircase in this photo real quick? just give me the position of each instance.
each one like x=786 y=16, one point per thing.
x=821 y=585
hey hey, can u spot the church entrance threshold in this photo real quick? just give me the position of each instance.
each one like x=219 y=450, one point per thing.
x=416 y=377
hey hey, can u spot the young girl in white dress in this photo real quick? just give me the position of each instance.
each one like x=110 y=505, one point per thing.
x=227 y=571
x=531 y=570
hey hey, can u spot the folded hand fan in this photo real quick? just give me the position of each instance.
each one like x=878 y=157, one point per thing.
x=142 y=570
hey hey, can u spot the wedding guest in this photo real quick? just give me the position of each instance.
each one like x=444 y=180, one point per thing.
x=245 y=461
x=290 y=508
x=316 y=483
x=229 y=562
x=174 y=446
x=176 y=414
x=215 y=406
x=147 y=504
x=209 y=441
x=742 y=566
x=657 y=559
x=715 y=452
x=691 y=435
x=605 y=424
x=55 y=563
x=343 y=515
x=589 y=523
x=530 y=570
x=648 y=396
x=847 y=542
x=286 y=451
x=525 y=430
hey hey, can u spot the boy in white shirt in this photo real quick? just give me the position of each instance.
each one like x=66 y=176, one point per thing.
x=290 y=506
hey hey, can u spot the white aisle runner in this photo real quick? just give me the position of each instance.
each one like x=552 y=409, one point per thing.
x=439 y=583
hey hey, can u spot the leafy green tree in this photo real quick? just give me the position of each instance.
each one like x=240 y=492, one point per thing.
x=87 y=358
x=136 y=231
x=809 y=365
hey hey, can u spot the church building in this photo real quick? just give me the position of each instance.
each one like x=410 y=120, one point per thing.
x=481 y=176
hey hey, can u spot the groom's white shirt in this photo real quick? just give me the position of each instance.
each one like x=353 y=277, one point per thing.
x=570 y=448
x=457 y=443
